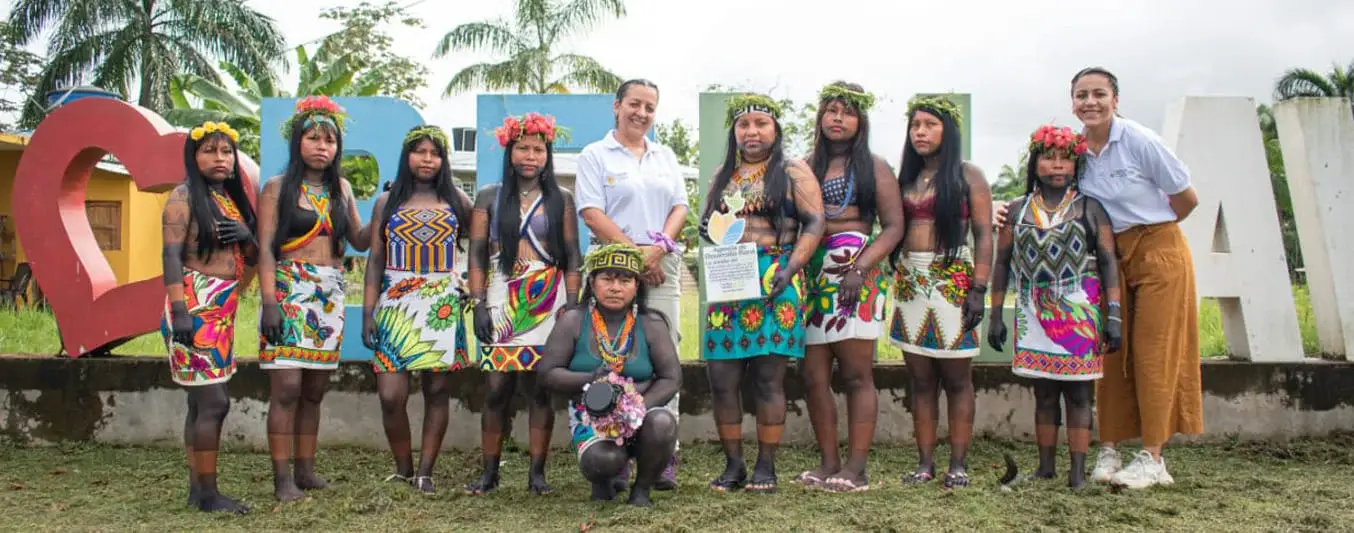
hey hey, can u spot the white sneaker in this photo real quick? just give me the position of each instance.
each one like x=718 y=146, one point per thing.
x=1106 y=465
x=1143 y=472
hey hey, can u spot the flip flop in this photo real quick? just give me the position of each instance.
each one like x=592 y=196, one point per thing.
x=917 y=478
x=808 y=479
x=763 y=486
x=955 y=481
x=844 y=485
x=726 y=484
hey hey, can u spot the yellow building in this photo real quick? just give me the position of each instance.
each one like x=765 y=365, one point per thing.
x=126 y=221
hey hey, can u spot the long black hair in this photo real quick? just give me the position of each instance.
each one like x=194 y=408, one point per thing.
x=202 y=209
x=444 y=184
x=776 y=181
x=951 y=188
x=509 y=210
x=859 y=160
x=290 y=188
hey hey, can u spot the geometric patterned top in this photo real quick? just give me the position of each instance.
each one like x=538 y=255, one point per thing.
x=421 y=240
x=1055 y=256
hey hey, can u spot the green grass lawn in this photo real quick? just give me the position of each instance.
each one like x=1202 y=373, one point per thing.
x=1299 y=486
x=34 y=332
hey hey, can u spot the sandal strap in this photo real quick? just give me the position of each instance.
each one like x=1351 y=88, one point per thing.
x=397 y=477
x=420 y=480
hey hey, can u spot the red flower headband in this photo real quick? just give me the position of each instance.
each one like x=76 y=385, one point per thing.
x=315 y=109
x=532 y=123
x=1050 y=137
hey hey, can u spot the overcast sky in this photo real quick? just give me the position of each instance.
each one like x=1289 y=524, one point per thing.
x=1016 y=58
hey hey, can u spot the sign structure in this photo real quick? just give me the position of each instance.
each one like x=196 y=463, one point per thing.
x=91 y=309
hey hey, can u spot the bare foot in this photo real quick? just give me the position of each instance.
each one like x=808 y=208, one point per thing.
x=812 y=478
x=603 y=492
x=193 y=495
x=486 y=484
x=286 y=490
x=310 y=481
x=848 y=481
x=639 y=498
x=216 y=503
x=536 y=484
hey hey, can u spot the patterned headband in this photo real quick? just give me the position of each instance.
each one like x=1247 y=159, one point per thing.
x=750 y=103
x=1052 y=138
x=532 y=123
x=313 y=110
x=430 y=132
x=861 y=101
x=618 y=256
x=937 y=104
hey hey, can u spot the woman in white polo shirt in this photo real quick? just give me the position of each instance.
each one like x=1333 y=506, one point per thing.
x=1151 y=387
x=630 y=190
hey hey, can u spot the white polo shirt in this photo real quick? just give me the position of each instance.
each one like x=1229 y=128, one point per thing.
x=635 y=193
x=1134 y=175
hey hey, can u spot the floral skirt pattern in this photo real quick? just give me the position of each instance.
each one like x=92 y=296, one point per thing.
x=419 y=324
x=1058 y=331
x=211 y=303
x=827 y=322
x=523 y=308
x=928 y=304
x=310 y=298
x=762 y=326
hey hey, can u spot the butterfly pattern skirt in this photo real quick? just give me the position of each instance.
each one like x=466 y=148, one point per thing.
x=310 y=298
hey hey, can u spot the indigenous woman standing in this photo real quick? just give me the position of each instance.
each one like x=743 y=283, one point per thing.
x=305 y=215
x=846 y=288
x=526 y=231
x=615 y=340
x=1061 y=251
x=414 y=299
x=940 y=283
x=631 y=191
x=1151 y=387
x=758 y=197
x=208 y=242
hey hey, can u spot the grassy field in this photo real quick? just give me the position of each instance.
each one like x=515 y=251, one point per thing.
x=34 y=332
x=1300 y=486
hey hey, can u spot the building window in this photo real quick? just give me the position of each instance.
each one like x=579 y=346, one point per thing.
x=105 y=219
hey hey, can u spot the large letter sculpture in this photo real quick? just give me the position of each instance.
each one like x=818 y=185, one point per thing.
x=91 y=309
x=1317 y=136
x=376 y=126
x=1234 y=233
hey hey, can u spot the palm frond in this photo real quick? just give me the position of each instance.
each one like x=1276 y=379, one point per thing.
x=579 y=16
x=491 y=36
x=507 y=75
x=586 y=72
x=1299 y=82
x=84 y=19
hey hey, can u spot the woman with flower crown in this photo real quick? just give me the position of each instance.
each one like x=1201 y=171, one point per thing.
x=1060 y=251
x=940 y=281
x=524 y=261
x=614 y=340
x=413 y=302
x=305 y=217
x=209 y=253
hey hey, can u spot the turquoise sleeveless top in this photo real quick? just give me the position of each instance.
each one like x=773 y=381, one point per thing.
x=638 y=367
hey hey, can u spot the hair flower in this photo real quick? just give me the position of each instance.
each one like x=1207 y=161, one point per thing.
x=1049 y=137
x=209 y=127
x=313 y=110
x=532 y=123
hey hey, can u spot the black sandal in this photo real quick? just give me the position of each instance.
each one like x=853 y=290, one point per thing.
x=761 y=485
x=728 y=484
x=955 y=480
x=917 y=478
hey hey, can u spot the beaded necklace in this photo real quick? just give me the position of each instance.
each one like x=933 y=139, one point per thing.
x=613 y=351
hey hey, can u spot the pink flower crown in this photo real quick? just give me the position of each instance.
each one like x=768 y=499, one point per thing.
x=1049 y=137
x=532 y=123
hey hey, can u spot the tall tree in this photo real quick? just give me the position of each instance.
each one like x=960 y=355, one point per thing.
x=148 y=41
x=530 y=42
x=18 y=74
x=1299 y=82
x=1283 y=200
x=680 y=139
x=368 y=47
x=1010 y=182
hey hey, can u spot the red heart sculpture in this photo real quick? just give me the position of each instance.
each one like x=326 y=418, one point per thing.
x=49 y=210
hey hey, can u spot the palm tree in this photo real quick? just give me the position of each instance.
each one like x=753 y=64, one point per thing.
x=118 y=41
x=530 y=42
x=1300 y=82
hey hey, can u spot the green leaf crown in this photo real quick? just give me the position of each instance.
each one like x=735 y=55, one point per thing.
x=939 y=104
x=431 y=132
x=861 y=101
x=749 y=103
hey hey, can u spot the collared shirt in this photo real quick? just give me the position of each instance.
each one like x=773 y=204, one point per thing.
x=1134 y=175
x=635 y=193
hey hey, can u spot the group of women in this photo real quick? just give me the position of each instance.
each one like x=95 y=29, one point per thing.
x=1101 y=273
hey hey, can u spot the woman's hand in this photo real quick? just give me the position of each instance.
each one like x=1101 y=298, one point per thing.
x=182 y=323
x=999 y=214
x=368 y=331
x=973 y=307
x=271 y=323
x=484 y=324
x=848 y=290
x=232 y=232
x=1114 y=330
x=996 y=332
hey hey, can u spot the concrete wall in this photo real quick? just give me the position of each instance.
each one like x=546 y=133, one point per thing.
x=1317 y=137
x=132 y=401
x=1234 y=232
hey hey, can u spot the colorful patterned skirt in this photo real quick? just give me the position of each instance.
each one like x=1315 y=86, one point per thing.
x=1057 y=331
x=928 y=299
x=211 y=303
x=827 y=322
x=757 y=327
x=310 y=298
x=583 y=435
x=523 y=309
x=419 y=324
